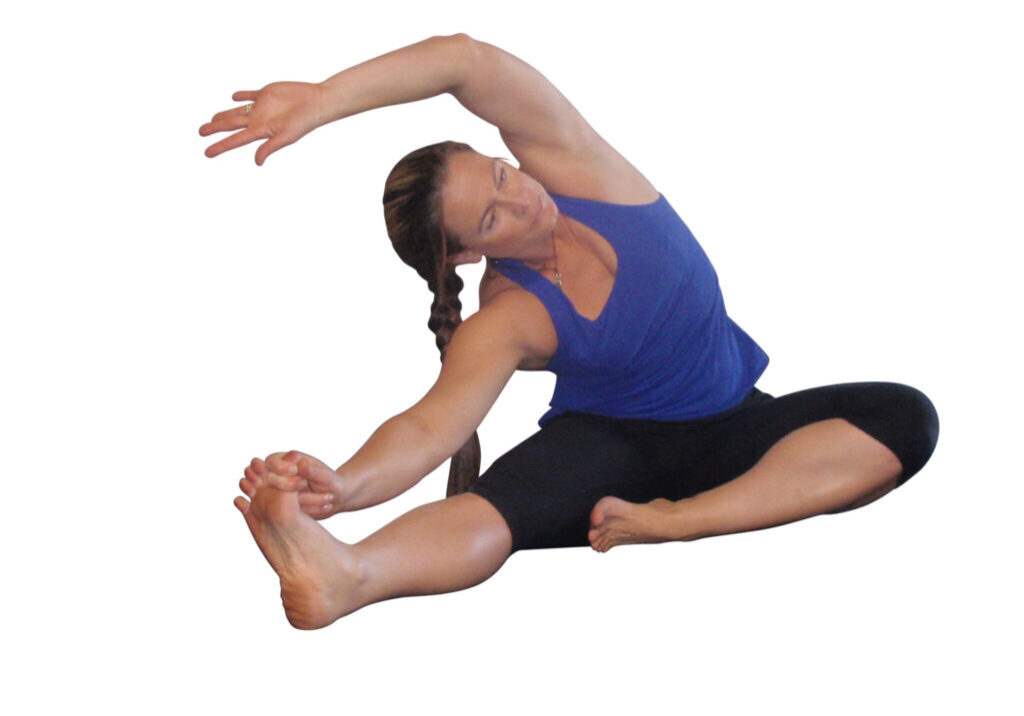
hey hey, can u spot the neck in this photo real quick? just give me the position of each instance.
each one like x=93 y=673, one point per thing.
x=559 y=245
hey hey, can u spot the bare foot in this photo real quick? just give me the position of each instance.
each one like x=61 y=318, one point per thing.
x=614 y=522
x=320 y=576
x=322 y=491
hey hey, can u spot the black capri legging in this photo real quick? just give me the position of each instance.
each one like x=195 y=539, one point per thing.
x=547 y=485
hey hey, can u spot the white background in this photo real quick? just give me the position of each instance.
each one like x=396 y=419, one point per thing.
x=853 y=170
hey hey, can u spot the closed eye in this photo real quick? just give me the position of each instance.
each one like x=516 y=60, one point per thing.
x=494 y=214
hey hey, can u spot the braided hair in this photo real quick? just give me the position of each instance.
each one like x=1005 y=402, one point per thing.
x=412 y=214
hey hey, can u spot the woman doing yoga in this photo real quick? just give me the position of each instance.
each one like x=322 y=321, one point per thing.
x=656 y=431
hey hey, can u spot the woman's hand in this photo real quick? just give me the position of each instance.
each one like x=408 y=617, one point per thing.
x=322 y=491
x=282 y=113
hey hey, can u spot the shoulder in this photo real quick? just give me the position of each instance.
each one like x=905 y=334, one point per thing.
x=494 y=282
x=510 y=313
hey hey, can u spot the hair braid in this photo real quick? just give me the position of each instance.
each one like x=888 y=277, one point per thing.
x=412 y=213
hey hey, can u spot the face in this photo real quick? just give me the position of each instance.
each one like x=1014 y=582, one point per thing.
x=495 y=210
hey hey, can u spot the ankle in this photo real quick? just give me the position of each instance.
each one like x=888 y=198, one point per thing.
x=685 y=522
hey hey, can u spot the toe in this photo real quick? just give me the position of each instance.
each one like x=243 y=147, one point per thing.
x=256 y=478
x=246 y=486
x=242 y=504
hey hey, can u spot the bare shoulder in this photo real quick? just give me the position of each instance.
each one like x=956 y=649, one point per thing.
x=517 y=314
x=492 y=283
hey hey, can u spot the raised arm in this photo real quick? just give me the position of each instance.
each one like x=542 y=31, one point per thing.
x=496 y=86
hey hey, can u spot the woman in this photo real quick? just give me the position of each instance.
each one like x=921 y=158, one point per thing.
x=656 y=431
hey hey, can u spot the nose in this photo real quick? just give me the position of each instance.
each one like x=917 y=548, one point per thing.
x=521 y=203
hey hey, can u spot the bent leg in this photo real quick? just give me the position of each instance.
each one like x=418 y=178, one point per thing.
x=827 y=466
x=822 y=450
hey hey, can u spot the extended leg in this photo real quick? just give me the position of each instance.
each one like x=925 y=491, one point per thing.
x=439 y=547
x=825 y=466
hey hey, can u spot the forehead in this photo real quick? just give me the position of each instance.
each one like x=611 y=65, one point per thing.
x=468 y=179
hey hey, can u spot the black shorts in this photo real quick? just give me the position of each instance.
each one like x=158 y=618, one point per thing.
x=547 y=485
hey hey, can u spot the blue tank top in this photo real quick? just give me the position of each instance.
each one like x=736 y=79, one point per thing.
x=663 y=347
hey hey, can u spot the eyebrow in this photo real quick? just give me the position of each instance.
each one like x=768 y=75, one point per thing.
x=494 y=180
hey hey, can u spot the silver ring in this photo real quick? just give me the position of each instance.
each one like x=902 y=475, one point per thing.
x=248 y=108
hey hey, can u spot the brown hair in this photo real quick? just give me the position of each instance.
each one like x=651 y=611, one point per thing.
x=412 y=214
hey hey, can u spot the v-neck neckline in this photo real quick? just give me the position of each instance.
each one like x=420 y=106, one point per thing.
x=615 y=279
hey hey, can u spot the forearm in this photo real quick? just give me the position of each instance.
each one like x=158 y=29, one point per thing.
x=425 y=69
x=399 y=454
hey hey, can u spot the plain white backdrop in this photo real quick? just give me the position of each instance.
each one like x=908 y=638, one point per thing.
x=853 y=170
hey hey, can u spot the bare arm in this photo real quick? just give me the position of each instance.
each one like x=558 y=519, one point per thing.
x=496 y=86
x=483 y=354
x=426 y=69
x=491 y=83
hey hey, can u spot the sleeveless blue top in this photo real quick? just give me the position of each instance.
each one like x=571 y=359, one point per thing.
x=663 y=347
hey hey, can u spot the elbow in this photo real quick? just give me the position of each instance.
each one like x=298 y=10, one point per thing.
x=460 y=43
x=463 y=56
x=460 y=38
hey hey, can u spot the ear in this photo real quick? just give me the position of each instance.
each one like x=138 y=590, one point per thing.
x=466 y=256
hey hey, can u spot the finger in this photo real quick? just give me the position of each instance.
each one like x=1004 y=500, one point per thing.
x=247 y=486
x=270 y=146
x=225 y=122
x=242 y=504
x=245 y=95
x=315 y=499
x=319 y=513
x=318 y=475
x=234 y=118
x=277 y=463
x=306 y=461
x=283 y=482
x=258 y=466
x=234 y=141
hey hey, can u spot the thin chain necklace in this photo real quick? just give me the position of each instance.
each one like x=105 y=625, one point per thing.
x=558 y=274
x=554 y=246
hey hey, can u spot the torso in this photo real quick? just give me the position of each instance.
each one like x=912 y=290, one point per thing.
x=589 y=275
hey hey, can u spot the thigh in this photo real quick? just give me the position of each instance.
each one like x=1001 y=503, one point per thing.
x=900 y=417
x=547 y=485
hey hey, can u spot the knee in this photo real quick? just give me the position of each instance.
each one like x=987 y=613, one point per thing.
x=918 y=420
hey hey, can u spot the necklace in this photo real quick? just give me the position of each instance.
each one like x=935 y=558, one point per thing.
x=554 y=248
x=558 y=274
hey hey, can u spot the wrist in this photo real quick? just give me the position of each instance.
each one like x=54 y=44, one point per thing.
x=349 y=490
x=330 y=102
